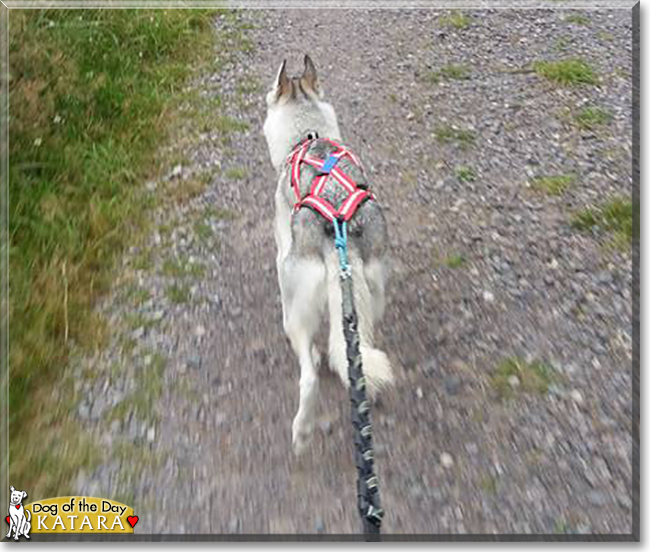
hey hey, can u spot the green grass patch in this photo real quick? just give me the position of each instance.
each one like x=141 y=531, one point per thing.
x=614 y=216
x=515 y=375
x=236 y=173
x=447 y=134
x=448 y=72
x=569 y=72
x=203 y=230
x=553 y=185
x=93 y=94
x=220 y=213
x=178 y=294
x=489 y=484
x=455 y=261
x=578 y=19
x=456 y=72
x=590 y=118
x=455 y=20
x=182 y=268
x=465 y=174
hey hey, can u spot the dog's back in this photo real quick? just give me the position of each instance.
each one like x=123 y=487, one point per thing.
x=313 y=234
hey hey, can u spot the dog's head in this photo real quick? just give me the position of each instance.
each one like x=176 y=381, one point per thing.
x=294 y=109
x=17 y=496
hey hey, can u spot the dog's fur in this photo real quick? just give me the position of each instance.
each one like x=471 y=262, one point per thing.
x=307 y=261
x=19 y=523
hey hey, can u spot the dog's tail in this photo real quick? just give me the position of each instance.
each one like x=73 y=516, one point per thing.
x=376 y=366
x=29 y=515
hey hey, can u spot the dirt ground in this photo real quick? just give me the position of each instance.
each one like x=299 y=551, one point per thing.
x=454 y=128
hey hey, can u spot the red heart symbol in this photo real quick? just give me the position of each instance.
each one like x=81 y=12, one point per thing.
x=7 y=518
x=132 y=520
x=17 y=506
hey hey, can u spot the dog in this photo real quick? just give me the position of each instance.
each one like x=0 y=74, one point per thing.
x=307 y=262
x=19 y=522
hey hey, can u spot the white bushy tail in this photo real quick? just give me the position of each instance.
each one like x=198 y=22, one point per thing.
x=376 y=366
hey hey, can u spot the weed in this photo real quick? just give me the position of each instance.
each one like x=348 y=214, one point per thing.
x=178 y=294
x=570 y=72
x=614 y=216
x=236 y=173
x=578 y=19
x=457 y=72
x=447 y=134
x=553 y=185
x=489 y=484
x=465 y=174
x=203 y=230
x=182 y=268
x=220 y=213
x=515 y=374
x=456 y=20
x=455 y=261
x=591 y=117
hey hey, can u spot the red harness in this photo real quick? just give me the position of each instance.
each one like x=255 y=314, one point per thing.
x=326 y=168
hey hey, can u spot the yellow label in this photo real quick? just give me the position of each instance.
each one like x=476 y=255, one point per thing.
x=80 y=514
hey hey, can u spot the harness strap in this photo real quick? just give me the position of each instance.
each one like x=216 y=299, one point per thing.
x=326 y=168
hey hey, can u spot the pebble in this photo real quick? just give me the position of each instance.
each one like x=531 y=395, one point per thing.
x=577 y=397
x=446 y=460
x=452 y=385
x=488 y=296
x=199 y=331
x=194 y=362
x=513 y=381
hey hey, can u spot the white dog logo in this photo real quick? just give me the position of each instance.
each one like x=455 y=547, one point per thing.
x=19 y=522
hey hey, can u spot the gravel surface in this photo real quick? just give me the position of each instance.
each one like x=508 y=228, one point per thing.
x=193 y=404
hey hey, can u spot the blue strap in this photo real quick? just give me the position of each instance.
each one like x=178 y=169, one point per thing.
x=329 y=164
x=341 y=243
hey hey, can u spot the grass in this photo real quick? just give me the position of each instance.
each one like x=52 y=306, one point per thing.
x=203 y=230
x=456 y=72
x=447 y=134
x=455 y=20
x=614 y=216
x=456 y=261
x=178 y=294
x=465 y=174
x=182 y=268
x=569 y=72
x=590 y=118
x=533 y=377
x=220 y=213
x=93 y=94
x=553 y=185
x=489 y=484
x=448 y=72
x=578 y=19
x=236 y=173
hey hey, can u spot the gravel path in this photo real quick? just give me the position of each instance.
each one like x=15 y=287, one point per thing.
x=486 y=269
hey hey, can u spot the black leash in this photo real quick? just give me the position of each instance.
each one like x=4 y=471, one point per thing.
x=369 y=503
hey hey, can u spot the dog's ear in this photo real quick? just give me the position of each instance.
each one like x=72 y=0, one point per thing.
x=282 y=86
x=24 y=494
x=309 y=79
x=12 y=489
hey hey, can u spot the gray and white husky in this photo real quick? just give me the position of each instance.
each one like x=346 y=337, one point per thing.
x=307 y=261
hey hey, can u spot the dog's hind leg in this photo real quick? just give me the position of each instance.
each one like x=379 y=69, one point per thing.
x=304 y=298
